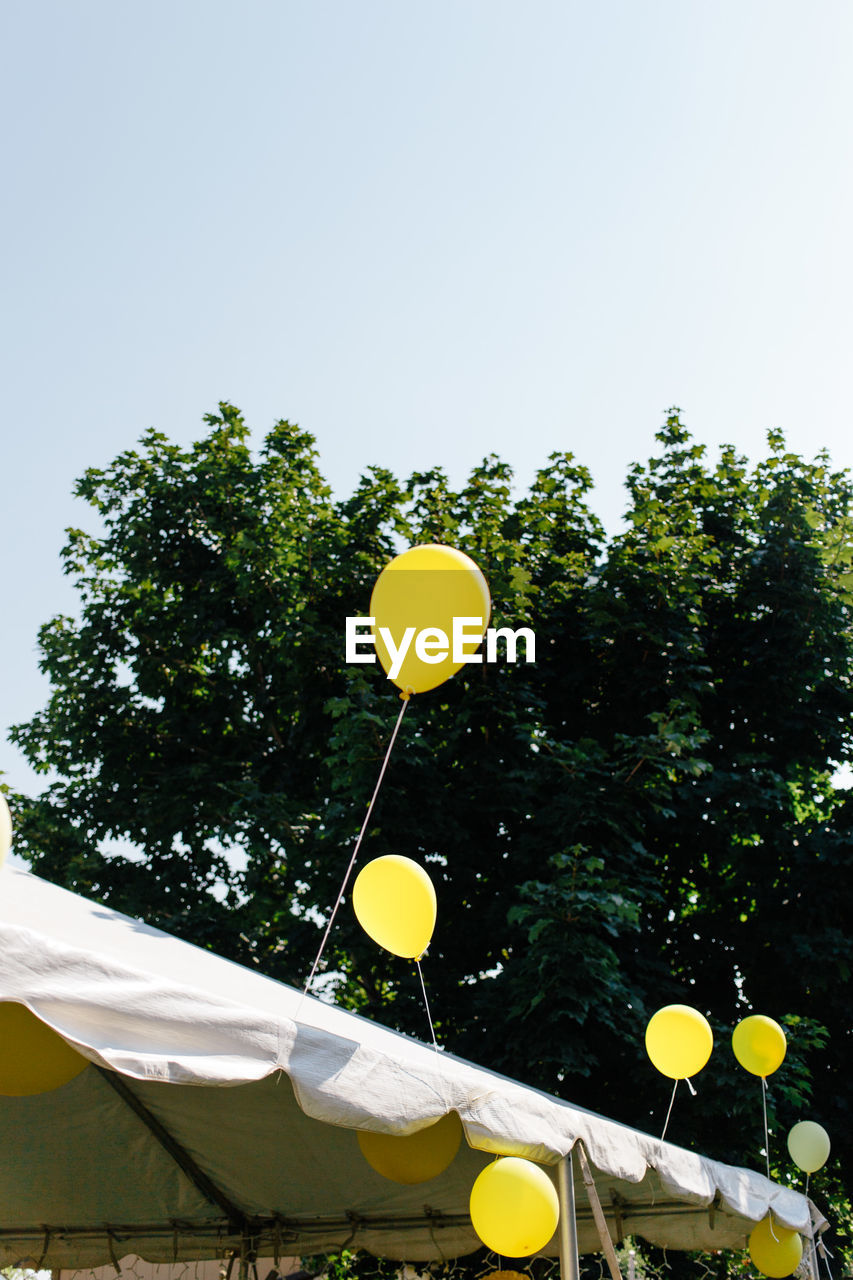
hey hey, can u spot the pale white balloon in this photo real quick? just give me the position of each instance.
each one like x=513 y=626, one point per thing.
x=808 y=1144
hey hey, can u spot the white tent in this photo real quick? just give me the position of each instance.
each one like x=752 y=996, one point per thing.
x=218 y=1114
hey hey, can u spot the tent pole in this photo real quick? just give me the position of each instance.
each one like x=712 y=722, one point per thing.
x=598 y=1214
x=568 y=1229
x=182 y=1158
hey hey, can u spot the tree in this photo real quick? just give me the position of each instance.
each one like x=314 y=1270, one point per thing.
x=645 y=814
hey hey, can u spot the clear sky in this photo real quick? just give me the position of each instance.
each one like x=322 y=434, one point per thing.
x=425 y=232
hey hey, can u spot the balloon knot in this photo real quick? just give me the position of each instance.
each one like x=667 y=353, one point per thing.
x=405 y=695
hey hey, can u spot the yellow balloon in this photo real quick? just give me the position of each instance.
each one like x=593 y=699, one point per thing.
x=394 y=902
x=5 y=829
x=33 y=1058
x=679 y=1041
x=514 y=1207
x=809 y=1146
x=507 y=1275
x=759 y=1044
x=415 y=601
x=414 y=1157
x=774 y=1249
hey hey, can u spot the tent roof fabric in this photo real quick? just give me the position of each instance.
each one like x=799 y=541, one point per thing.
x=223 y=1107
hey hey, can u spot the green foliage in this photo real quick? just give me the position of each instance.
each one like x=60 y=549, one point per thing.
x=350 y=1264
x=644 y=815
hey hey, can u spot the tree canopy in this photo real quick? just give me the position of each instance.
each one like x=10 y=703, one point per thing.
x=647 y=814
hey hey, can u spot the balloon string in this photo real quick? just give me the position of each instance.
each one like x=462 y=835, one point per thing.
x=669 y=1112
x=426 y=1006
x=690 y=1086
x=766 y=1131
x=405 y=700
